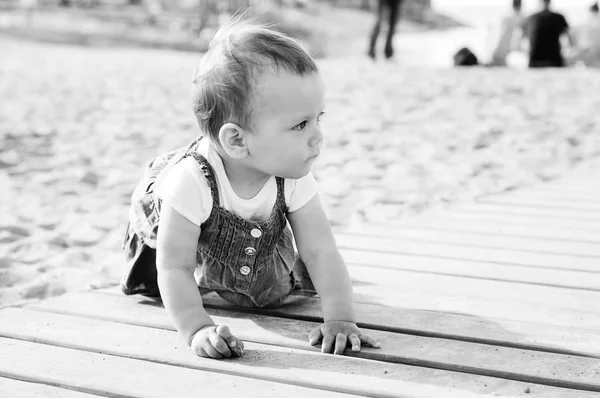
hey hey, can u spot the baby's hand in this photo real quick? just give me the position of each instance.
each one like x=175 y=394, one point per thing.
x=216 y=342
x=343 y=334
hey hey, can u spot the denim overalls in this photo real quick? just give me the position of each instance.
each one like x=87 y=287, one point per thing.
x=248 y=263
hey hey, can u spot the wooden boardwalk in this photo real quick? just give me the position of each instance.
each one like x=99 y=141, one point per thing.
x=500 y=297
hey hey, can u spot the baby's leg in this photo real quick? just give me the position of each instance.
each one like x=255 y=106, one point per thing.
x=301 y=289
x=238 y=299
x=302 y=276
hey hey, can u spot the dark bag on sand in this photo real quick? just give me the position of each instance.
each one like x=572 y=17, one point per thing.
x=465 y=57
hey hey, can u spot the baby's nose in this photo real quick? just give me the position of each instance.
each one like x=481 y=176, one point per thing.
x=316 y=139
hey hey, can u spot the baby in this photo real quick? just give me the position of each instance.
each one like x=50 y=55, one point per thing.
x=214 y=216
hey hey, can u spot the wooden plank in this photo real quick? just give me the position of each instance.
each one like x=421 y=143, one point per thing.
x=266 y=362
x=592 y=218
x=562 y=195
x=474 y=239
x=483 y=228
x=517 y=220
x=552 y=298
x=484 y=307
x=122 y=377
x=532 y=366
x=549 y=203
x=447 y=251
x=10 y=388
x=436 y=250
x=565 y=197
x=535 y=275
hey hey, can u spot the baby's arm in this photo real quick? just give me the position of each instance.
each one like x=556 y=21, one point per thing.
x=176 y=249
x=317 y=248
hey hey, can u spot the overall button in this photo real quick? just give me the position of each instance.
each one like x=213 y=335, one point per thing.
x=256 y=233
x=250 y=251
x=245 y=270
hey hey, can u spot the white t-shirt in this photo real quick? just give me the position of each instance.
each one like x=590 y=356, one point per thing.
x=185 y=188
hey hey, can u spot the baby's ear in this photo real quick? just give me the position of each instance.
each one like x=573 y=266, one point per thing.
x=232 y=139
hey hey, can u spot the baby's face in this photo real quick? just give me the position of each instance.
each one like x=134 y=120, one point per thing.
x=287 y=137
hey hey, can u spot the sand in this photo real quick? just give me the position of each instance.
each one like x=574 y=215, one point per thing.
x=77 y=126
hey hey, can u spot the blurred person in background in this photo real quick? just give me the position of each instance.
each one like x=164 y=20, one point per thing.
x=543 y=31
x=587 y=37
x=510 y=27
x=391 y=8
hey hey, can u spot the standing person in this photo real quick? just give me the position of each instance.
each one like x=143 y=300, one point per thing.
x=544 y=30
x=392 y=9
x=213 y=216
x=587 y=38
x=509 y=30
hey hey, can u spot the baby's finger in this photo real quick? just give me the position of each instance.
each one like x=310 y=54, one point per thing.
x=225 y=333
x=355 y=342
x=235 y=342
x=236 y=347
x=327 y=344
x=366 y=339
x=211 y=351
x=315 y=336
x=219 y=345
x=340 y=344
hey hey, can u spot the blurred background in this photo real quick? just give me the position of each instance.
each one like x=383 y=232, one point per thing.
x=189 y=24
x=327 y=27
x=91 y=90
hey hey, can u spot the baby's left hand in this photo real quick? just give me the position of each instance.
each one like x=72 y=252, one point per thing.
x=342 y=334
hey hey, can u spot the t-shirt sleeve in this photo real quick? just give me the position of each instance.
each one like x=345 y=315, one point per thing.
x=186 y=189
x=299 y=192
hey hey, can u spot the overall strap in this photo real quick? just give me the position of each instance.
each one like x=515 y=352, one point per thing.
x=280 y=194
x=209 y=173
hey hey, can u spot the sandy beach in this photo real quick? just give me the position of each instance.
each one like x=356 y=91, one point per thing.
x=77 y=126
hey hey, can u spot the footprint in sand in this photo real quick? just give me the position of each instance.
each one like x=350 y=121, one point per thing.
x=4 y=262
x=12 y=233
x=85 y=236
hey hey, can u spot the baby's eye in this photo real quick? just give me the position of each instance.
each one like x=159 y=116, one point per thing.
x=320 y=116
x=300 y=126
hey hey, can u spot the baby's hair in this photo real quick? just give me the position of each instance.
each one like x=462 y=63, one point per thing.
x=594 y=7
x=239 y=52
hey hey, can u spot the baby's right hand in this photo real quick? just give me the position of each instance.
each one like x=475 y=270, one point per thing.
x=215 y=342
